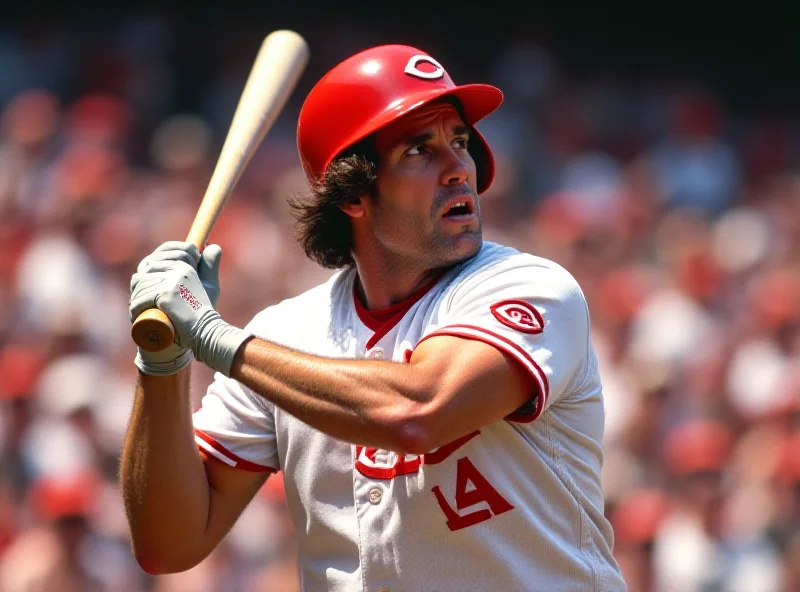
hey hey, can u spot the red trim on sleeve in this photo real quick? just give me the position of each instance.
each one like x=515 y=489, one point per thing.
x=229 y=458
x=508 y=347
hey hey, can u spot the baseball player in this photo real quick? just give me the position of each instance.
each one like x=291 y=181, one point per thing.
x=435 y=407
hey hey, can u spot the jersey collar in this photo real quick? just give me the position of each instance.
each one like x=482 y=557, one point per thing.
x=378 y=318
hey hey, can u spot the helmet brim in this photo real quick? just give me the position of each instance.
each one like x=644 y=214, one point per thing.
x=477 y=101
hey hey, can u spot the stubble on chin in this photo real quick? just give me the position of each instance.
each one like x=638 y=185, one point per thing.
x=454 y=254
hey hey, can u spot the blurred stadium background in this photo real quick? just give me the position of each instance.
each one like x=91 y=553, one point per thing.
x=652 y=150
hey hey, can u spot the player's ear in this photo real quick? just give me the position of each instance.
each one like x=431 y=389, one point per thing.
x=354 y=208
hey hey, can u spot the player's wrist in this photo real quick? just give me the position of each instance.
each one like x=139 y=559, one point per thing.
x=163 y=363
x=215 y=342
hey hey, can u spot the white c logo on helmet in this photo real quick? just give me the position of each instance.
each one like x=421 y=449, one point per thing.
x=411 y=68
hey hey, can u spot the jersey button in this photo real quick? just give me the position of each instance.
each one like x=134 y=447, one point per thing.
x=375 y=496
x=376 y=354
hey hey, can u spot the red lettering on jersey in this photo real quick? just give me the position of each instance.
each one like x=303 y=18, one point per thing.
x=402 y=465
x=519 y=315
x=482 y=491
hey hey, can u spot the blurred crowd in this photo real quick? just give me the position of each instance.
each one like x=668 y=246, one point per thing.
x=679 y=217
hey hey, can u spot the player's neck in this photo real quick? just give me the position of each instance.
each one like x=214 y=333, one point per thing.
x=380 y=286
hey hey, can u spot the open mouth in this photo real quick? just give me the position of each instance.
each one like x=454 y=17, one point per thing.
x=459 y=209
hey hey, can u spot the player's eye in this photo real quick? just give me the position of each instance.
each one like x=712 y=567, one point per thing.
x=417 y=150
x=460 y=143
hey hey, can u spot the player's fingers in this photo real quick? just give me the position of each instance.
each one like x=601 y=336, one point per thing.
x=208 y=268
x=174 y=255
x=189 y=248
x=145 y=300
x=190 y=256
x=140 y=282
x=163 y=266
x=144 y=287
x=137 y=278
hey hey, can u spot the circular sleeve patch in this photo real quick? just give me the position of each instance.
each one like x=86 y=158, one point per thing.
x=519 y=315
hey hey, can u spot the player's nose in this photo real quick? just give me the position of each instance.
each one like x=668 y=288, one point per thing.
x=454 y=170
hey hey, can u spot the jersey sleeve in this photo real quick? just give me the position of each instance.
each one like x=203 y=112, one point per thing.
x=536 y=314
x=235 y=425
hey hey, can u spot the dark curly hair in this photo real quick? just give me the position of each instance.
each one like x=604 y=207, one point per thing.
x=322 y=228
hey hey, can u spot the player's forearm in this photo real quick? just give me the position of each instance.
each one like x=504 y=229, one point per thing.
x=375 y=403
x=163 y=480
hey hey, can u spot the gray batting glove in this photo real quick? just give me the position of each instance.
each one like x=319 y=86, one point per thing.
x=185 y=286
x=174 y=358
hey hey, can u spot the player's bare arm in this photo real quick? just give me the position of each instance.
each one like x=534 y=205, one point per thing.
x=451 y=387
x=179 y=503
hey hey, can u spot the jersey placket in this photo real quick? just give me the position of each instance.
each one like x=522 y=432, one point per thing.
x=376 y=507
x=375 y=504
x=376 y=511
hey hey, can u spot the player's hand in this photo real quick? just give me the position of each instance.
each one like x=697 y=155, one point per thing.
x=174 y=358
x=149 y=274
x=185 y=285
x=169 y=279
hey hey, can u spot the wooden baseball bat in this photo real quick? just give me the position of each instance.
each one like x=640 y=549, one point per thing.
x=280 y=62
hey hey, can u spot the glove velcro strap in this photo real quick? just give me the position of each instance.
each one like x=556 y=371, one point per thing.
x=216 y=342
x=165 y=368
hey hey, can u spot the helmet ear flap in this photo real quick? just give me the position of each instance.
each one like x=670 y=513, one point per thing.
x=477 y=151
x=484 y=161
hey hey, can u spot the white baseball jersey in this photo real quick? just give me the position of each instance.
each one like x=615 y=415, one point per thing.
x=514 y=506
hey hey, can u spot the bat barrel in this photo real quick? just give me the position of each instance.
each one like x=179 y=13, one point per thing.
x=277 y=68
x=280 y=61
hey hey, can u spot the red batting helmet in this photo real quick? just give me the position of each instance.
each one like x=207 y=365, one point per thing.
x=374 y=88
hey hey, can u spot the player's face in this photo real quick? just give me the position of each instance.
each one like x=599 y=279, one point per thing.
x=426 y=209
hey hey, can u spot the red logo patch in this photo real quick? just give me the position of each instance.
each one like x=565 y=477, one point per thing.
x=187 y=296
x=519 y=315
